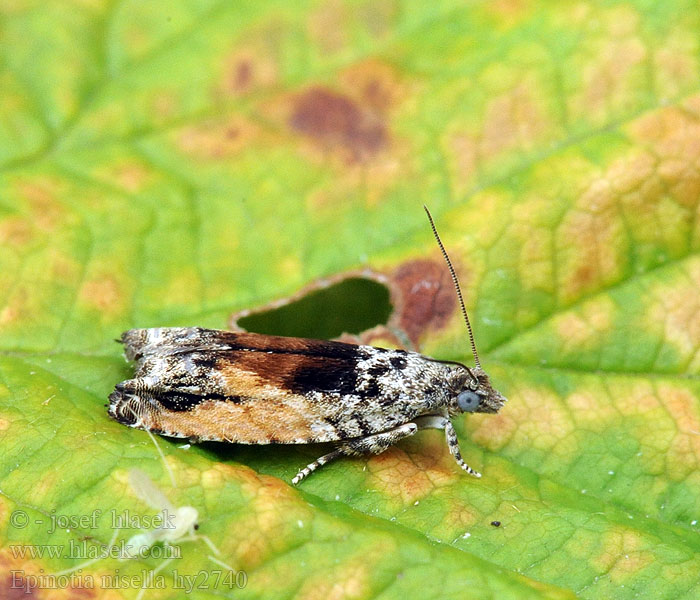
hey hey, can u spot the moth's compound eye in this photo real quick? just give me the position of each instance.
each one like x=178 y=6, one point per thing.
x=468 y=401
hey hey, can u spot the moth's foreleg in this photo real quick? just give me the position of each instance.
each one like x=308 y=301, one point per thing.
x=371 y=444
x=440 y=422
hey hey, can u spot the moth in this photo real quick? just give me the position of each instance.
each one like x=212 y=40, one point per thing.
x=249 y=388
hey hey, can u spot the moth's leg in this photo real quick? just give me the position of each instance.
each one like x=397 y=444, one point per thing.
x=440 y=422
x=319 y=462
x=371 y=444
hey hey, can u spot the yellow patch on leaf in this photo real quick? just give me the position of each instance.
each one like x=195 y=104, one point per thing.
x=41 y=195
x=583 y=328
x=273 y=518
x=591 y=407
x=676 y=307
x=345 y=582
x=589 y=241
x=536 y=417
x=407 y=477
x=103 y=294
x=327 y=25
x=612 y=64
x=622 y=555
x=128 y=175
x=17 y=307
x=217 y=138
x=683 y=457
x=16 y=231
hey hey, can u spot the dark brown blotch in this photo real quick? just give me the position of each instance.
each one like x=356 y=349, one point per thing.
x=334 y=120
x=242 y=76
x=426 y=297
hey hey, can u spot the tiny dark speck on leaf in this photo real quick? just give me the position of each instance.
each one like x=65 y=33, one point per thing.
x=496 y=523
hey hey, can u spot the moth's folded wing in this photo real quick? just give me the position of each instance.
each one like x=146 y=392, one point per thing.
x=255 y=389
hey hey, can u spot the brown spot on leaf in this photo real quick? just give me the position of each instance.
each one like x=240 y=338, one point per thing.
x=217 y=139
x=337 y=122
x=249 y=69
x=583 y=276
x=242 y=76
x=424 y=297
x=374 y=84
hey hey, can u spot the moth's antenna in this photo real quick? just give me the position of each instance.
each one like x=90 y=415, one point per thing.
x=456 y=282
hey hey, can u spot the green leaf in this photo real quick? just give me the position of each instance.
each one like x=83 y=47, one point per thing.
x=168 y=164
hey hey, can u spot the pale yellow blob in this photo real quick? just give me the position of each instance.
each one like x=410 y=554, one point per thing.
x=274 y=515
x=129 y=175
x=583 y=328
x=405 y=477
x=348 y=581
x=684 y=454
x=676 y=62
x=42 y=196
x=612 y=65
x=636 y=398
x=218 y=139
x=676 y=306
x=623 y=554
x=103 y=294
x=588 y=241
x=16 y=231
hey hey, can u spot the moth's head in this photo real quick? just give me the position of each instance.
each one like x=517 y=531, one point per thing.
x=474 y=393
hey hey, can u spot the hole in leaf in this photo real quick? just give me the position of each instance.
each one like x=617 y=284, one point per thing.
x=351 y=306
